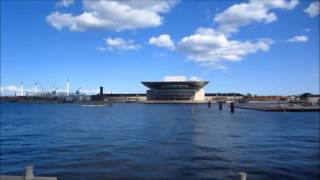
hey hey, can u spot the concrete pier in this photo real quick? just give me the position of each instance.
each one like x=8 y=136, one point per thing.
x=232 y=107
x=28 y=176
x=29 y=173
x=220 y=105
x=242 y=175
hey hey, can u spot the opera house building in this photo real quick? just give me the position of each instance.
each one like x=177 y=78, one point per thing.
x=175 y=88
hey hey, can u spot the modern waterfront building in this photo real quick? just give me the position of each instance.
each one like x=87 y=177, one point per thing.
x=175 y=88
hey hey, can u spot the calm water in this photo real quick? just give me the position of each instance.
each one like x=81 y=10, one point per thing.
x=140 y=141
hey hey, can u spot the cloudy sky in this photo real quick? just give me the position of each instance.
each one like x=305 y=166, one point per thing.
x=260 y=47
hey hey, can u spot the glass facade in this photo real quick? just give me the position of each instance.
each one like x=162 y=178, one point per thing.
x=172 y=94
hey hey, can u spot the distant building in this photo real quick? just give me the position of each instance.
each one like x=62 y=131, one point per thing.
x=224 y=96
x=312 y=98
x=120 y=97
x=175 y=88
x=269 y=98
x=131 y=97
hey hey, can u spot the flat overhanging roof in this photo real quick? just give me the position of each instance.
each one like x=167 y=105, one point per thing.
x=168 y=84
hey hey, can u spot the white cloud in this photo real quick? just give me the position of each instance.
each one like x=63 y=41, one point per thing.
x=314 y=9
x=102 y=49
x=65 y=3
x=209 y=47
x=113 y=15
x=163 y=54
x=159 y=54
x=243 y=14
x=298 y=39
x=164 y=40
x=195 y=78
x=119 y=44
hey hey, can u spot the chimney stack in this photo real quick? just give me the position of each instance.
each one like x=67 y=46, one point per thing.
x=101 y=90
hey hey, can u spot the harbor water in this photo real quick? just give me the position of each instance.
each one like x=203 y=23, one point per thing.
x=158 y=141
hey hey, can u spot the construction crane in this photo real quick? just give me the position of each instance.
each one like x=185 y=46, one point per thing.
x=54 y=89
x=43 y=89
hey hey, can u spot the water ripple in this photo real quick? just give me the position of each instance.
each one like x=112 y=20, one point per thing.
x=139 y=141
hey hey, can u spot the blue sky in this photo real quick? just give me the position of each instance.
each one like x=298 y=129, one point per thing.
x=264 y=48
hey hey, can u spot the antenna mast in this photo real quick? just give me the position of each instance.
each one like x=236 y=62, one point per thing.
x=67 y=87
x=21 y=89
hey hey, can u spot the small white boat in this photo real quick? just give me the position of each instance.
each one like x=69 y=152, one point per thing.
x=95 y=104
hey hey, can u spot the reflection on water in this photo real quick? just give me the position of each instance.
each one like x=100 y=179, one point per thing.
x=150 y=141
